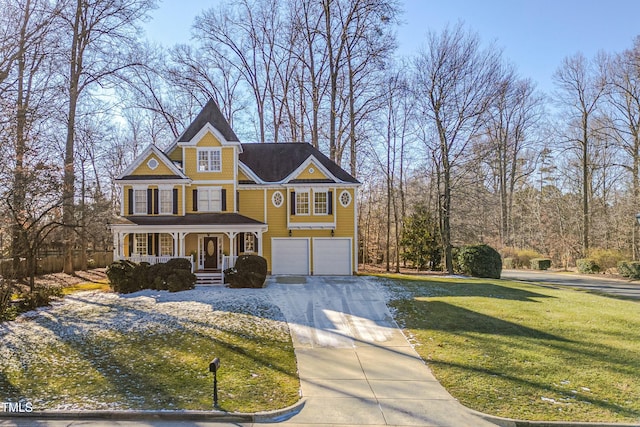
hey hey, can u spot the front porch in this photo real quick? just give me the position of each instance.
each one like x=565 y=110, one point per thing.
x=211 y=242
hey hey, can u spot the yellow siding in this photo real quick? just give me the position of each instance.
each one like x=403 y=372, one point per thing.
x=307 y=174
x=242 y=176
x=209 y=140
x=176 y=154
x=231 y=196
x=125 y=197
x=143 y=169
x=252 y=204
x=345 y=221
x=228 y=165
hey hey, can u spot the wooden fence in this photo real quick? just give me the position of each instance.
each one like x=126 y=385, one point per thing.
x=54 y=263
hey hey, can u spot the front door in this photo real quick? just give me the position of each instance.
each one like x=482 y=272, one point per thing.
x=210 y=253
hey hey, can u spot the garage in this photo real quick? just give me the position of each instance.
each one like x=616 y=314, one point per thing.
x=290 y=256
x=332 y=256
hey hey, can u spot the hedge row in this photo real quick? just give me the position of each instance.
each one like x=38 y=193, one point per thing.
x=126 y=277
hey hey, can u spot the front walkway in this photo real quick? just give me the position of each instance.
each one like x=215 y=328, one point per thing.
x=355 y=365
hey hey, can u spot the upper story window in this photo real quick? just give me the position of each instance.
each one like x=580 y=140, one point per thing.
x=302 y=203
x=166 y=201
x=140 y=201
x=209 y=159
x=209 y=199
x=320 y=204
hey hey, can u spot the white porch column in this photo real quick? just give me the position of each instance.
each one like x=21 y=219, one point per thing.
x=176 y=248
x=121 y=245
x=232 y=247
x=259 y=241
x=181 y=245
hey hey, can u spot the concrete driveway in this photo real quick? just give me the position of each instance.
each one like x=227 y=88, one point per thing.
x=355 y=365
x=592 y=283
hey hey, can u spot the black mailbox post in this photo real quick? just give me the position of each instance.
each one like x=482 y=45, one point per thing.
x=213 y=367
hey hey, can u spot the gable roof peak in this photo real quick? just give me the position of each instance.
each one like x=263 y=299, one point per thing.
x=210 y=114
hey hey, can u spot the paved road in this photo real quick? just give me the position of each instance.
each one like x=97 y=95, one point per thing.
x=621 y=288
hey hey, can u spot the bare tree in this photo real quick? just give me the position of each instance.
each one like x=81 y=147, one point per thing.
x=580 y=89
x=455 y=81
x=98 y=30
x=623 y=79
x=511 y=121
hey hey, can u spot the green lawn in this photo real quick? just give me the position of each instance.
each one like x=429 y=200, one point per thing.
x=526 y=352
x=104 y=351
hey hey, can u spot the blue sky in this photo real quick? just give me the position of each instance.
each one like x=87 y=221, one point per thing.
x=535 y=35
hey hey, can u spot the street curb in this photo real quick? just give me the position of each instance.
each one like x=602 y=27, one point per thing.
x=277 y=415
x=508 y=422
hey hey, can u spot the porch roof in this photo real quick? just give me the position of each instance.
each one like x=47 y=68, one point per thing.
x=194 y=219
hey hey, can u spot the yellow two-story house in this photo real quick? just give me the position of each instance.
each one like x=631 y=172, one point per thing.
x=210 y=198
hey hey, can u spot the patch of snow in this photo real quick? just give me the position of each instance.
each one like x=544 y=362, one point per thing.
x=92 y=314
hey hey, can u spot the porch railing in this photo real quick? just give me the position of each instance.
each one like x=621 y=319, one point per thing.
x=228 y=262
x=151 y=259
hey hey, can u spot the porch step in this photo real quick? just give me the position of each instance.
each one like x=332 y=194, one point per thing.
x=209 y=278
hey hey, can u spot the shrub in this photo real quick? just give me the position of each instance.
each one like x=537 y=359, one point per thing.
x=525 y=256
x=507 y=263
x=480 y=261
x=630 y=269
x=7 y=310
x=520 y=258
x=120 y=274
x=179 y=264
x=40 y=297
x=127 y=277
x=606 y=258
x=587 y=266
x=540 y=264
x=250 y=271
x=181 y=280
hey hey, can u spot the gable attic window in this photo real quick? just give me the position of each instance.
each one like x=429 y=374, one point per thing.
x=209 y=160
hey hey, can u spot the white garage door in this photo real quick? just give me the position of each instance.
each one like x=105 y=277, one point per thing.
x=332 y=257
x=290 y=256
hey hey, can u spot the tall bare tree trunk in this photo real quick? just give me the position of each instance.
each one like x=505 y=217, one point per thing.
x=68 y=184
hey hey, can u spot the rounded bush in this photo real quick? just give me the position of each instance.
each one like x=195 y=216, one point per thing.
x=479 y=261
x=250 y=271
x=587 y=266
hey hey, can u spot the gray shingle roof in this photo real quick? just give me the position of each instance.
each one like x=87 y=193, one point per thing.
x=274 y=162
x=193 y=219
x=210 y=114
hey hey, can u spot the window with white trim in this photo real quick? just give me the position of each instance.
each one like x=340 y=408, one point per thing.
x=166 y=244
x=166 y=201
x=320 y=204
x=277 y=199
x=249 y=242
x=140 y=201
x=140 y=244
x=209 y=199
x=209 y=159
x=345 y=198
x=302 y=203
